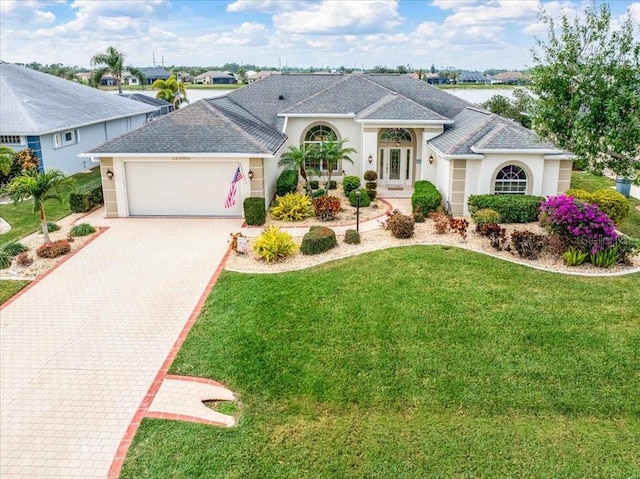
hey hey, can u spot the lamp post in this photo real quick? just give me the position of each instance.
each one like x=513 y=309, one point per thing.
x=358 y=210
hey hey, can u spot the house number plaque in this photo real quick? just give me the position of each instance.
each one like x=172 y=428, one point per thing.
x=181 y=158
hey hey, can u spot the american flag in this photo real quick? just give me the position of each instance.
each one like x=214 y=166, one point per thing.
x=231 y=196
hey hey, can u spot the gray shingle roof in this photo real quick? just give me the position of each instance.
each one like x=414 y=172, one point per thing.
x=396 y=107
x=206 y=126
x=36 y=103
x=149 y=100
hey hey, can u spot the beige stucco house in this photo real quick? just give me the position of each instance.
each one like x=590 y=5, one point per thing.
x=401 y=127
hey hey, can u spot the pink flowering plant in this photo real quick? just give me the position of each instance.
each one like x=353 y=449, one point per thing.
x=577 y=224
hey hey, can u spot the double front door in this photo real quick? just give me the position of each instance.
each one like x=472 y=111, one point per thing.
x=395 y=166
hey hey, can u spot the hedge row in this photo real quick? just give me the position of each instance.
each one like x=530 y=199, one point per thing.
x=83 y=202
x=255 y=213
x=512 y=208
x=425 y=198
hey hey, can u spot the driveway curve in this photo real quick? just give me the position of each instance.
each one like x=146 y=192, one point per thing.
x=81 y=348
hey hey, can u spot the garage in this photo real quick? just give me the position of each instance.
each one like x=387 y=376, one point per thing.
x=182 y=188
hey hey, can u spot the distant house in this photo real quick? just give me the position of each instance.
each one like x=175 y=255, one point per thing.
x=510 y=78
x=155 y=73
x=403 y=129
x=163 y=107
x=215 y=78
x=434 y=79
x=58 y=118
x=472 y=78
x=107 y=80
x=184 y=77
x=261 y=75
x=84 y=77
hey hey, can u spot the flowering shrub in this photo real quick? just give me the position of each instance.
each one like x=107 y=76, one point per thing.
x=578 y=224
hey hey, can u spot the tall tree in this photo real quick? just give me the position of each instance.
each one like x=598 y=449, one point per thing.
x=168 y=91
x=586 y=81
x=40 y=186
x=296 y=158
x=331 y=153
x=516 y=109
x=112 y=61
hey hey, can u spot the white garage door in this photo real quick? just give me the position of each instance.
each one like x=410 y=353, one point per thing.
x=181 y=188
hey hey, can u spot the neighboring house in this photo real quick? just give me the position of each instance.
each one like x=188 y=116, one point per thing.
x=184 y=77
x=261 y=75
x=163 y=107
x=472 y=78
x=84 y=77
x=434 y=79
x=107 y=80
x=58 y=118
x=215 y=78
x=129 y=79
x=510 y=78
x=155 y=73
x=403 y=128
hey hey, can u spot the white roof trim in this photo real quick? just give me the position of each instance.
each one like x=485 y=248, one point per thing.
x=511 y=151
x=317 y=115
x=564 y=156
x=177 y=153
x=406 y=122
x=454 y=157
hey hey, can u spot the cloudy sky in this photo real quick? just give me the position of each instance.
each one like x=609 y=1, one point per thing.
x=468 y=34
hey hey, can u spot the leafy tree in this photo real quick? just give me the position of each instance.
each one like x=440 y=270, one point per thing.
x=401 y=69
x=330 y=154
x=169 y=91
x=112 y=61
x=587 y=86
x=433 y=68
x=41 y=186
x=295 y=158
x=7 y=157
x=516 y=109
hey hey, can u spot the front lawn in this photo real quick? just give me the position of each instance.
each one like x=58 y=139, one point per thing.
x=24 y=221
x=424 y=361
x=9 y=288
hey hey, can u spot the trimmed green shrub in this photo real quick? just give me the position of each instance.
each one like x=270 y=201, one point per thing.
x=326 y=207
x=314 y=184
x=485 y=216
x=255 y=213
x=319 y=192
x=274 y=245
x=351 y=237
x=349 y=184
x=14 y=248
x=331 y=185
x=97 y=196
x=5 y=259
x=318 y=240
x=371 y=185
x=512 y=208
x=614 y=204
x=292 y=207
x=55 y=249
x=287 y=182
x=581 y=195
x=372 y=194
x=425 y=198
x=370 y=175
x=82 y=229
x=528 y=244
x=86 y=201
x=365 y=199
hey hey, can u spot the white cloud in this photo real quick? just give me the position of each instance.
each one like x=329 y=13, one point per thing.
x=266 y=6
x=25 y=12
x=248 y=34
x=333 y=16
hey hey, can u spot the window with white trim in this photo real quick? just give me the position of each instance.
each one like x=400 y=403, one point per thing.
x=316 y=137
x=66 y=138
x=511 y=180
x=11 y=140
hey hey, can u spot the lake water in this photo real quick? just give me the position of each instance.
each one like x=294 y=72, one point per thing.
x=474 y=95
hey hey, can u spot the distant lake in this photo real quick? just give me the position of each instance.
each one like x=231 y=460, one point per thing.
x=474 y=95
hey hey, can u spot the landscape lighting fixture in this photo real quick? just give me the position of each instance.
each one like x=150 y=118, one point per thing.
x=109 y=174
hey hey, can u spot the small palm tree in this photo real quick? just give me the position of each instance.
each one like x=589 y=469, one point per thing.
x=332 y=152
x=169 y=91
x=112 y=61
x=295 y=158
x=41 y=186
x=7 y=157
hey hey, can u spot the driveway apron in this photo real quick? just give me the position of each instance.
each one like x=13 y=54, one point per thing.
x=80 y=349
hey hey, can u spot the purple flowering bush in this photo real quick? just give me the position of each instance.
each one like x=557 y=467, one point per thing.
x=577 y=224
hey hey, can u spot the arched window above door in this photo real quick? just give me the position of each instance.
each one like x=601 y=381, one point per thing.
x=396 y=135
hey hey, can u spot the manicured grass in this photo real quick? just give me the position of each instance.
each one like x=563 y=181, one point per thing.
x=9 y=288
x=24 y=221
x=422 y=361
x=590 y=182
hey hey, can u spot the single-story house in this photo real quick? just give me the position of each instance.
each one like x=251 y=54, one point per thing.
x=510 y=78
x=472 y=78
x=155 y=73
x=59 y=119
x=255 y=76
x=215 y=78
x=163 y=107
x=403 y=128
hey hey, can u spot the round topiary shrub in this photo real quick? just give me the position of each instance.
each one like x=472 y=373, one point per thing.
x=331 y=185
x=82 y=229
x=372 y=194
x=318 y=240
x=318 y=193
x=5 y=260
x=365 y=199
x=14 y=248
x=370 y=175
x=350 y=183
x=418 y=217
x=351 y=237
x=485 y=216
x=314 y=184
x=614 y=204
x=371 y=185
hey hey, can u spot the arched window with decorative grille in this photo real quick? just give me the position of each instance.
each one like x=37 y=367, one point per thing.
x=396 y=135
x=315 y=137
x=512 y=180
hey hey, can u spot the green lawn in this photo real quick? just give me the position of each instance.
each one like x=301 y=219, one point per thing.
x=24 y=221
x=422 y=361
x=590 y=182
x=9 y=288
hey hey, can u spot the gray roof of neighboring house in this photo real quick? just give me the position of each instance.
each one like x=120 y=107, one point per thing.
x=156 y=72
x=206 y=126
x=149 y=100
x=36 y=103
x=214 y=74
x=477 y=129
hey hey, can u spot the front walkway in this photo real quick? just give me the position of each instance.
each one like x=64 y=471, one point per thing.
x=81 y=348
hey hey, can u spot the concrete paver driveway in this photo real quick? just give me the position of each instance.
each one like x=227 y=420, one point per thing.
x=80 y=349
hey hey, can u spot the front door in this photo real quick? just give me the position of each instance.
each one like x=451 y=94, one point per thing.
x=395 y=166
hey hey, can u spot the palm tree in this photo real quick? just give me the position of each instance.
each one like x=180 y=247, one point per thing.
x=295 y=158
x=112 y=61
x=169 y=91
x=41 y=186
x=7 y=157
x=332 y=152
